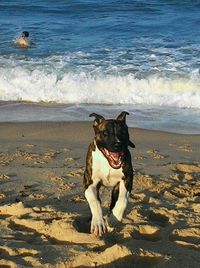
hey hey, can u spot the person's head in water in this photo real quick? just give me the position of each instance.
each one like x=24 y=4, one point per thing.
x=25 y=34
x=23 y=40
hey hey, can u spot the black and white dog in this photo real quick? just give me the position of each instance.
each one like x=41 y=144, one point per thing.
x=108 y=163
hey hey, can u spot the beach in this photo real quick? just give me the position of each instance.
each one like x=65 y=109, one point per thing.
x=44 y=217
x=99 y=57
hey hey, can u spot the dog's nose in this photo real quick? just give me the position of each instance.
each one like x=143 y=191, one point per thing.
x=117 y=145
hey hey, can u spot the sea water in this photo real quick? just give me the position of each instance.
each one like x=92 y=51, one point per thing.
x=104 y=56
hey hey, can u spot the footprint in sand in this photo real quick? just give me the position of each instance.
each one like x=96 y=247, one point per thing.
x=37 y=196
x=78 y=199
x=162 y=216
x=4 y=177
x=27 y=254
x=57 y=179
x=50 y=155
x=62 y=185
x=182 y=191
x=57 y=225
x=66 y=186
x=29 y=145
x=188 y=245
x=5 y=163
x=155 y=154
x=35 y=158
x=185 y=148
x=147 y=232
x=139 y=157
x=186 y=237
x=30 y=192
x=69 y=159
x=187 y=180
x=119 y=256
x=76 y=173
x=18 y=251
x=142 y=182
x=7 y=158
x=2 y=196
x=65 y=150
x=188 y=168
x=60 y=230
x=196 y=206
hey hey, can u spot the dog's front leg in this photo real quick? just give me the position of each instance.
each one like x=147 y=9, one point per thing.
x=97 y=223
x=119 y=202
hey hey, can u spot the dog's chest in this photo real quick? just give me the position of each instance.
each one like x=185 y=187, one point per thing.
x=102 y=171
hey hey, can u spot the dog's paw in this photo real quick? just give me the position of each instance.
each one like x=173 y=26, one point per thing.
x=112 y=222
x=98 y=227
x=109 y=227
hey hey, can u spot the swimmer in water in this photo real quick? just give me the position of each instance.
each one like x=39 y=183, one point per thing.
x=23 y=40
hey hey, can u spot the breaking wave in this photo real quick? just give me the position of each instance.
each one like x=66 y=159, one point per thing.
x=39 y=85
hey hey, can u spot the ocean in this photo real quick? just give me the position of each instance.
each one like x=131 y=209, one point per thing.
x=104 y=56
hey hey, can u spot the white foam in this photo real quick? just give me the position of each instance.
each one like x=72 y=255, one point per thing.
x=41 y=85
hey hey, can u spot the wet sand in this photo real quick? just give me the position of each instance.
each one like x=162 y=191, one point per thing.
x=44 y=215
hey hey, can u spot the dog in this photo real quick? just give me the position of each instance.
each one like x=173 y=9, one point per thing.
x=108 y=163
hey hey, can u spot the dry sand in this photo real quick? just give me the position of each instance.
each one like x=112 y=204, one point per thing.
x=44 y=215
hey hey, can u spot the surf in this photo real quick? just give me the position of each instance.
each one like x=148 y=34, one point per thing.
x=42 y=85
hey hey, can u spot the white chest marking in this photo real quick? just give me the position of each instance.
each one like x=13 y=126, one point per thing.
x=102 y=171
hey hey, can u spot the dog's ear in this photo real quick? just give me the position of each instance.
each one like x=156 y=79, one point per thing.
x=98 y=119
x=132 y=145
x=122 y=117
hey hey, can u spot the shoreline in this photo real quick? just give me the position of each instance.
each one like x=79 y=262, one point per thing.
x=84 y=123
x=44 y=215
x=167 y=119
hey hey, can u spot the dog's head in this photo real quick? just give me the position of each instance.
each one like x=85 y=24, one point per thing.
x=112 y=137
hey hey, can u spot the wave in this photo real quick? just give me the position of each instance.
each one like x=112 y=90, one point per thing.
x=39 y=85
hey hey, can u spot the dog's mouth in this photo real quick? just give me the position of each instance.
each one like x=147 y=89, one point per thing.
x=114 y=158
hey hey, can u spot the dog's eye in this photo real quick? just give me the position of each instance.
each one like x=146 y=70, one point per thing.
x=105 y=133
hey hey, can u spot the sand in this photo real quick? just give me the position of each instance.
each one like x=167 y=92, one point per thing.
x=44 y=215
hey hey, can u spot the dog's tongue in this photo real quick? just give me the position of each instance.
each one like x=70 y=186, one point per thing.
x=114 y=158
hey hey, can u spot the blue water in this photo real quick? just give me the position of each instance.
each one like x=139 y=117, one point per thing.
x=142 y=56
